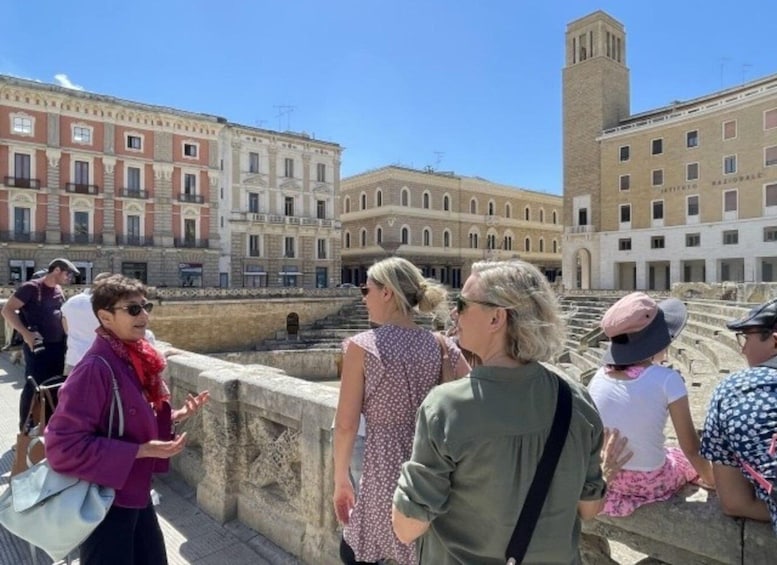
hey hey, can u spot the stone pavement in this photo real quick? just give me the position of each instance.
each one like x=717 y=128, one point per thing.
x=190 y=535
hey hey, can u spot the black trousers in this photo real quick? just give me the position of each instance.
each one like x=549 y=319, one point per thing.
x=127 y=536
x=40 y=366
x=347 y=556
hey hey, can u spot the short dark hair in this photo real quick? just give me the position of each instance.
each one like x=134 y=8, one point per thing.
x=110 y=290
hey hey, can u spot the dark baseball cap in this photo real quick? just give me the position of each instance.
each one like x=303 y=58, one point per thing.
x=763 y=316
x=63 y=264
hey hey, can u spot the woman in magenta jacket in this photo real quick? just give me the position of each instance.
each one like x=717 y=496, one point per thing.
x=76 y=437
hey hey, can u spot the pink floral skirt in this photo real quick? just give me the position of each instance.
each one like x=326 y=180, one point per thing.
x=631 y=489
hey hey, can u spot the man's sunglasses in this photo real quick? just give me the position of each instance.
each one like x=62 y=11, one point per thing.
x=462 y=302
x=135 y=309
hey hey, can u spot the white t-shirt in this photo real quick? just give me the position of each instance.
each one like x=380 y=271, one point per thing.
x=639 y=408
x=81 y=323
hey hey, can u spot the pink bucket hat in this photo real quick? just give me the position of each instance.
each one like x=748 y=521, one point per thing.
x=638 y=327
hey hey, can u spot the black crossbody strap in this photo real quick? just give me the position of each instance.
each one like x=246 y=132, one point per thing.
x=538 y=491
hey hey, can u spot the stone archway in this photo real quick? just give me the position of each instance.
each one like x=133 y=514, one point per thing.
x=582 y=269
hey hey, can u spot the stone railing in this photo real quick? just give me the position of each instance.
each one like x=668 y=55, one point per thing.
x=260 y=452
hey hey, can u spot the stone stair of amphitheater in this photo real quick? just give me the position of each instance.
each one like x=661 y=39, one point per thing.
x=329 y=332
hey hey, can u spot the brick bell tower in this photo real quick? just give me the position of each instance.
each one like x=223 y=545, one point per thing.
x=595 y=97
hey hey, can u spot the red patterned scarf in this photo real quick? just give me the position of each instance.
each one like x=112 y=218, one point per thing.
x=147 y=362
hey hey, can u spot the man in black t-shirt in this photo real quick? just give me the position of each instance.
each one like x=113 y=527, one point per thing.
x=34 y=311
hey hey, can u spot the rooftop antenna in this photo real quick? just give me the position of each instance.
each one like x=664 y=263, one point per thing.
x=438 y=155
x=745 y=68
x=284 y=110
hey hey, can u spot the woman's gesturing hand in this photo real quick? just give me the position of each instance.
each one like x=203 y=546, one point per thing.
x=162 y=449
x=344 y=501
x=191 y=406
x=614 y=453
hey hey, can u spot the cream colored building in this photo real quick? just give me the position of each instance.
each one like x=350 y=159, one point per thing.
x=682 y=193
x=280 y=209
x=444 y=222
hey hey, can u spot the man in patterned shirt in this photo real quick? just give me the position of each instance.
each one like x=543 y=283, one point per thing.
x=742 y=422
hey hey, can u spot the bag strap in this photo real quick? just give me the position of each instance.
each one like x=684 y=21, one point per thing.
x=115 y=401
x=446 y=369
x=538 y=491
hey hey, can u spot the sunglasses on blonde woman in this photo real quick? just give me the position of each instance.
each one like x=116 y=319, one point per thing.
x=461 y=303
x=135 y=309
x=364 y=289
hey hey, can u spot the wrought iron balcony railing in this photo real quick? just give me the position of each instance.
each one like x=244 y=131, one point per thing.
x=21 y=182
x=187 y=242
x=134 y=193
x=78 y=188
x=195 y=198
x=24 y=236
x=134 y=240
x=82 y=238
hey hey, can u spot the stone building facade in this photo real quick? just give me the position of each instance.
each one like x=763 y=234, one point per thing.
x=444 y=222
x=280 y=209
x=683 y=193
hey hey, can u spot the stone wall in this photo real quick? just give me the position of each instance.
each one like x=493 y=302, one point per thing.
x=307 y=364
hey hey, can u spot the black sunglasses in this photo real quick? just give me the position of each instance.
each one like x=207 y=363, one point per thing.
x=364 y=289
x=462 y=302
x=135 y=309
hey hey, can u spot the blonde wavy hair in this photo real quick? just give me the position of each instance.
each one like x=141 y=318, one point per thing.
x=536 y=328
x=411 y=290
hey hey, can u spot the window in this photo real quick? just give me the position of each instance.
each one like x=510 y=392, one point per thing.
x=446 y=203
x=426 y=200
x=730 y=201
x=321 y=172
x=190 y=150
x=473 y=241
x=582 y=217
x=625 y=182
x=427 y=238
x=21 y=163
x=692 y=138
x=730 y=129
x=81 y=227
x=190 y=184
x=693 y=206
x=658 y=177
x=253 y=246
x=321 y=209
x=253 y=162
x=22 y=125
x=729 y=164
x=405 y=236
x=133 y=228
x=730 y=237
x=288 y=168
x=82 y=135
x=624 y=152
x=657 y=146
x=527 y=245
x=379 y=198
x=473 y=206
x=363 y=201
x=555 y=217
x=288 y=247
x=190 y=231
x=624 y=244
x=770 y=156
x=490 y=208
x=288 y=206
x=508 y=243
x=347 y=240
x=555 y=246
x=379 y=236
x=405 y=198
x=658 y=210
x=133 y=179
x=134 y=142
x=321 y=248
x=770 y=119
x=347 y=204
x=692 y=171
x=446 y=239
x=21 y=221
x=692 y=239
x=508 y=211
x=542 y=216
x=81 y=171
x=657 y=242
x=625 y=213
x=526 y=214
x=770 y=233
x=491 y=241
x=770 y=191
x=253 y=202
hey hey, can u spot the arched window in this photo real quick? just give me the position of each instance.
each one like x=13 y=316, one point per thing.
x=491 y=208
x=379 y=198
x=526 y=214
x=527 y=244
x=473 y=206
x=542 y=215
x=379 y=235
x=363 y=199
x=555 y=245
x=508 y=210
x=542 y=245
x=446 y=239
x=347 y=240
x=491 y=241
x=555 y=217
x=446 y=203
x=426 y=200
x=363 y=237
x=405 y=197
x=427 y=237
x=405 y=236
x=508 y=243
x=473 y=240
x=347 y=204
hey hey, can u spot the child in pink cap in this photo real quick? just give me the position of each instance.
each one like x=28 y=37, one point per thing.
x=635 y=394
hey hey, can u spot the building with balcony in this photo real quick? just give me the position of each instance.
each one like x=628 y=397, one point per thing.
x=279 y=209
x=681 y=193
x=111 y=184
x=444 y=222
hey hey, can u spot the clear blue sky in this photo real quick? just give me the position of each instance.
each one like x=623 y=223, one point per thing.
x=463 y=85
